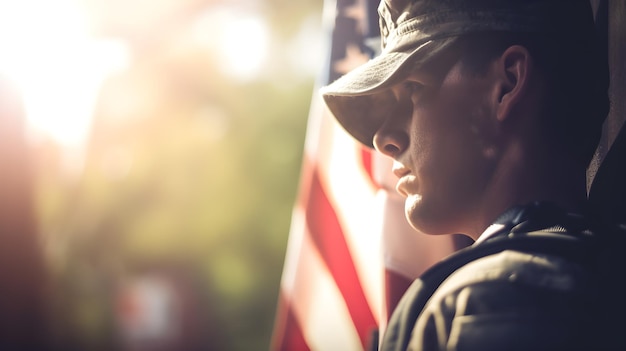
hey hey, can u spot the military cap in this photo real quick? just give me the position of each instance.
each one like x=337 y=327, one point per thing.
x=414 y=32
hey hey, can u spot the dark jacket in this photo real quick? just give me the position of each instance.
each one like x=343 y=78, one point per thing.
x=544 y=281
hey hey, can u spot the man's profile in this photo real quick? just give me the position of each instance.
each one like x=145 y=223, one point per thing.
x=491 y=111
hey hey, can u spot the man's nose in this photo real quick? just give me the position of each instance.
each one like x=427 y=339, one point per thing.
x=392 y=138
x=390 y=143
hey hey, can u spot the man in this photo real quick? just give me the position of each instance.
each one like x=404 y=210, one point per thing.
x=492 y=111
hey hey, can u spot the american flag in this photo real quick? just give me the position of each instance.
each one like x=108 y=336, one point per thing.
x=351 y=253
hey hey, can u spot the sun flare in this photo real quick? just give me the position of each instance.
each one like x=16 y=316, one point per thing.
x=56 y=65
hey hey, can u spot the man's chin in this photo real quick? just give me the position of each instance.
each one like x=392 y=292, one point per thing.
x=412 y=201
x=424 y=218
x=413 y=209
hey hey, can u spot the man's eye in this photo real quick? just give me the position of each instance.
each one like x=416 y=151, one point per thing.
x=413 y=87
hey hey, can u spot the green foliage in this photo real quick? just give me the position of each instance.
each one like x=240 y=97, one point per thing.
x=201 y=176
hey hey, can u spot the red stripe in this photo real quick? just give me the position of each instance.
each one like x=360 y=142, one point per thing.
x=327 y=235
x=287 y=332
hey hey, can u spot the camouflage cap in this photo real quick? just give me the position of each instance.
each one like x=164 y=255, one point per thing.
x=415 y=31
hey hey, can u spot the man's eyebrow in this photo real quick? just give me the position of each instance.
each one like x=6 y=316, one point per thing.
x=425 y=76
x=419 y=73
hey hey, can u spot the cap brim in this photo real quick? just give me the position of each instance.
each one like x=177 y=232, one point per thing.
x=361 y=99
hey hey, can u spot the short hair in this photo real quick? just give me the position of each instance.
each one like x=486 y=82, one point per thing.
x=576 y=73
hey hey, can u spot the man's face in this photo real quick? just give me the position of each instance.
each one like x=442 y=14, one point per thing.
x=441 y=133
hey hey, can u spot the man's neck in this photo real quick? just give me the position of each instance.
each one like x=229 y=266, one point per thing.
x=528 y=174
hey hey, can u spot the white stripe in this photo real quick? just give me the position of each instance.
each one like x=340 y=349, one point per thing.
x=294 y=249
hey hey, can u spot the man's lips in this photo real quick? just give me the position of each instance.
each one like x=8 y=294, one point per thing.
x=405 y=185
x=404 y=178
x=400 y=170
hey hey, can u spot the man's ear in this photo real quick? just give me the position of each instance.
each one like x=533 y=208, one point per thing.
x=513 y=69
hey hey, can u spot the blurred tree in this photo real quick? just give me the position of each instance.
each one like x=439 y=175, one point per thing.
x=185 y=167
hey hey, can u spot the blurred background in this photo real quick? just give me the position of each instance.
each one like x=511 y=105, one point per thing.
x=150 y=153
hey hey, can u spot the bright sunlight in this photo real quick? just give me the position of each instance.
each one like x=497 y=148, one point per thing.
x=58 y=67
x=242 y=40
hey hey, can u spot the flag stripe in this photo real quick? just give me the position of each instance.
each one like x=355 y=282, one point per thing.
x=322 y=309
x=352 y=196
x=328 y=237
x=288 y=332
x=313 y=296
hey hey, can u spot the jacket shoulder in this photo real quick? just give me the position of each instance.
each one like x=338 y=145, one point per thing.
x=505 y=301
